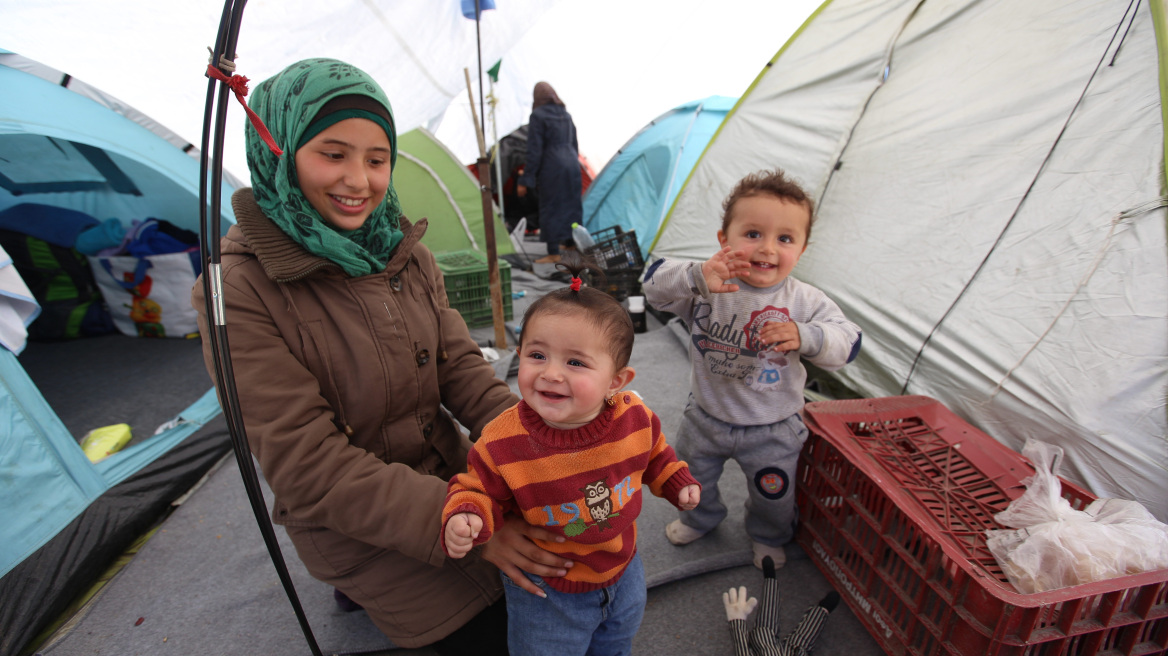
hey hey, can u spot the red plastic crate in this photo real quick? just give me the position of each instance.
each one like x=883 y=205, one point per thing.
x=895 y=495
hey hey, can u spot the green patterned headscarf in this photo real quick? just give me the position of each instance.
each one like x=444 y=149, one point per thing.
x=288 y=103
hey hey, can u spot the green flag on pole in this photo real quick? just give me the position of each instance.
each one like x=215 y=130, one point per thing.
x=494 y=71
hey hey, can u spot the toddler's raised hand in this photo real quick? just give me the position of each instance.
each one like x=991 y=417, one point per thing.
x=461 y=531
x=724 y=265
x=688 y=497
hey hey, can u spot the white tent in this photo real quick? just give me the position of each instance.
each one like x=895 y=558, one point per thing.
x=990 y=184
x=156 y=60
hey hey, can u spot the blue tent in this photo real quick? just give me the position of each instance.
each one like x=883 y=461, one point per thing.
x=637 y=187
x=65 y=144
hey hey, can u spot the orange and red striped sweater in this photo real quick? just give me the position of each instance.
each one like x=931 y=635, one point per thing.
x=584 y=484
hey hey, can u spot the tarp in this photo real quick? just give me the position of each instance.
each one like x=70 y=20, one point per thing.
x=990 y=186
x=639 y=184
x=419 y=52
x=68 y=144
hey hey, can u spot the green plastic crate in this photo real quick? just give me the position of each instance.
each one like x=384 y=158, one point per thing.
x=468 y=285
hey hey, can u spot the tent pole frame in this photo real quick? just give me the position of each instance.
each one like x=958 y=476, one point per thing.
x=210 y=194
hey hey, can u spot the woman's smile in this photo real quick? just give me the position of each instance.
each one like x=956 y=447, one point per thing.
x=349 y=204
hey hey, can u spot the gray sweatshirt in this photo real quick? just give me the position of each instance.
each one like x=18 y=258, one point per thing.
x=735 y=378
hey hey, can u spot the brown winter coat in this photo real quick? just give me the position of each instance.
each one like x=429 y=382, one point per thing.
x=344 y=385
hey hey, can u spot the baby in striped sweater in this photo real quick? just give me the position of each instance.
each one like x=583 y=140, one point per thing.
x=571 y=457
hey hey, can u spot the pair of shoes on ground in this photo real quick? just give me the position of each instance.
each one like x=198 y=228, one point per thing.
x=680 y=534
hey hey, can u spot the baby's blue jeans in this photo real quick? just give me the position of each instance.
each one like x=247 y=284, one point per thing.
x=597 y=623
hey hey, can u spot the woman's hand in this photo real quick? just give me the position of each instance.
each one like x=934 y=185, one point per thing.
x=511 y=550
x=520 y=191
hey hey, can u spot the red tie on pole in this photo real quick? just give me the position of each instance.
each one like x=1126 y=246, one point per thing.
x=238 y=84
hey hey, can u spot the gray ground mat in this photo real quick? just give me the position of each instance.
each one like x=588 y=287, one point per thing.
x=113 y=379
x=204 y=583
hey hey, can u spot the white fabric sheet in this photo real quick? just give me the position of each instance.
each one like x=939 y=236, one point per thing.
x=18 y=308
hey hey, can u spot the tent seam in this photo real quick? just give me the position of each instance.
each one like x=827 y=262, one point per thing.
x=1115 y=221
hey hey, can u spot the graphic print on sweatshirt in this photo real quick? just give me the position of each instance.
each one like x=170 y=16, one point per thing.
x=734 y=350
x=600 y=503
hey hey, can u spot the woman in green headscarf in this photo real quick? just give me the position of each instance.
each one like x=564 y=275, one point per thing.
x=351 y=367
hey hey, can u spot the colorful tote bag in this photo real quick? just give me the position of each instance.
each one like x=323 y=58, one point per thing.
x=149 y=296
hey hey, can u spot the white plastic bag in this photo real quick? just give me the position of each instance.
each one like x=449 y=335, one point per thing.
x=1055 y=546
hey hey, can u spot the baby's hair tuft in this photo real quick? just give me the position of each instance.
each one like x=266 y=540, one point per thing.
x=602 y=310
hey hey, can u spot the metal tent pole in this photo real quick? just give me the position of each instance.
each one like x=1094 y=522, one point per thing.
x=209 y=228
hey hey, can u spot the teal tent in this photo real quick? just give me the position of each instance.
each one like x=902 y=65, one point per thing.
x=66 y=144
x=638 y=185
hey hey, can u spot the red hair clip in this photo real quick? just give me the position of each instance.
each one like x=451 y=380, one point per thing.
x=576 y=282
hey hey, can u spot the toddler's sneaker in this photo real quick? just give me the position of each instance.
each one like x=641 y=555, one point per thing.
x=761 y=551
x=680 y=534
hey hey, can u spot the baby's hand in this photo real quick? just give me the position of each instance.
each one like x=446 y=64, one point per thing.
x=781 y=336
x=738 y=607
x=724 y=265
x=461 y=531
x=689 y=496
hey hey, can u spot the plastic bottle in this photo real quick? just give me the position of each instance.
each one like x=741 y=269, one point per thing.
x=581 y=237
x=520 y=227
x=637 y=313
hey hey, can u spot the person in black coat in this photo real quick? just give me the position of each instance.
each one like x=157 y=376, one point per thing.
x=553 y=168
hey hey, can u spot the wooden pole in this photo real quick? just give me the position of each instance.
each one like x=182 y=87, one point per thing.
x=484 y=174
x=498 y=163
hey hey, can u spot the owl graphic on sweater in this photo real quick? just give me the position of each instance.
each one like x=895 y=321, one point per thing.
x=598 y=499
